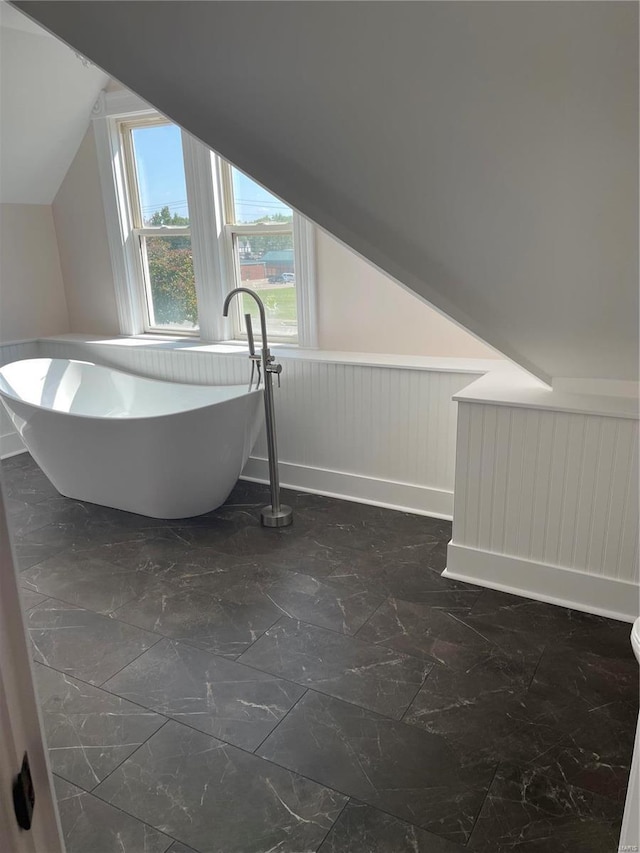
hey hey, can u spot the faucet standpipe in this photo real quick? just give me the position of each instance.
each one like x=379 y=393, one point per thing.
x=276 y=514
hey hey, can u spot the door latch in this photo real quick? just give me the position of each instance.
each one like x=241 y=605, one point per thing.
x=24 y=796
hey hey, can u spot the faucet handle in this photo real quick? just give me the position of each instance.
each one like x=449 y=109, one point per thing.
x=274 y=368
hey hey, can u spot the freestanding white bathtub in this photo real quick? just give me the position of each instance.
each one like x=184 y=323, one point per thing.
x=161 y=449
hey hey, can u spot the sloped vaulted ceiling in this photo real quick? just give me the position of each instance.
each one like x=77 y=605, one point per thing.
x=46 y=96
x=484 y=154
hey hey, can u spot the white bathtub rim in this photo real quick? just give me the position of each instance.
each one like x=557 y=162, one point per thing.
x=240 y=390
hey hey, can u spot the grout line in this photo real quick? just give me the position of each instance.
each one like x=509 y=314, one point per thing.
x=172 y=839
x=159 y=640
x=370 y=617
x=113 y=769
x=482 y=804
x=401 y=719
x=535 y=671
x=339 y=815
x=299 y=699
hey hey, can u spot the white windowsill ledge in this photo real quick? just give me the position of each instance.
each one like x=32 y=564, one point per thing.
x=284 y=351
x=520 y=390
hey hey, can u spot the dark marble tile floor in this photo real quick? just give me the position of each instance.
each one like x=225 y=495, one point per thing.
x=208 y=686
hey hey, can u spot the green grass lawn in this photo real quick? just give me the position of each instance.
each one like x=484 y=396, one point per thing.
x=279 y=303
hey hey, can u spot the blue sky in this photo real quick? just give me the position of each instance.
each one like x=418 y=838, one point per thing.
x=161 y=177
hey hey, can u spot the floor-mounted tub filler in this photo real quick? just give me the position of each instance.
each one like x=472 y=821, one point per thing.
x=161 y=449
x=276 y=514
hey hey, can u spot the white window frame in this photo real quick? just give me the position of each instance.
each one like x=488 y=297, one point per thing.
x=213 y=260
x=140 y=231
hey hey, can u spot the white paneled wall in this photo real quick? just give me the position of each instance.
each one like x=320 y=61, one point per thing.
x=366 y=432
x=546 y=502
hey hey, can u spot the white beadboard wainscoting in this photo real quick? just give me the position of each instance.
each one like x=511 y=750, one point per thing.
x=357 y=428
x=546 y=501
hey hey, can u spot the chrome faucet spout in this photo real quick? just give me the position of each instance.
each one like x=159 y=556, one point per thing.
x=263 y=317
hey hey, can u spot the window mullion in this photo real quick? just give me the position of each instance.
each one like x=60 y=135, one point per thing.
x=205 y=205
x=304 y=249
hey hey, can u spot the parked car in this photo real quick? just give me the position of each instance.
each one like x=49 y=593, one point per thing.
x=283 y=278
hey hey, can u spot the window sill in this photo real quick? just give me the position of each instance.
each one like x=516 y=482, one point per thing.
x=478 y=366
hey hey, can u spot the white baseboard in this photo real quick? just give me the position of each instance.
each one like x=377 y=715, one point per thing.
x=603 y=596
x=11 y=445
x=406 y=497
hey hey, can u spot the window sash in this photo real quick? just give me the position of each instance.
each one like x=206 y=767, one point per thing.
x=146 y=291
x=231 y=233
x=140 y=231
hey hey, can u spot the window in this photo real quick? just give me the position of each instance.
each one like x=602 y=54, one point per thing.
x=259 y=228
x=185 y=227
x=160 y=214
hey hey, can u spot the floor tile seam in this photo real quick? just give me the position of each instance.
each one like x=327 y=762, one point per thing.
x=20 y=534
x=357 y=801
x=193 y=647
x=254 y=751
x=177 y=719
x=16 y=544
x=415 y=695
x=558 y=780
x=562 y=638
x=110 y=562
x=100 y=688
x=176 y=583
x=80 y=607
x=327 y=580
x=338 y=816
x=129 y=663
x=45 y=599
x=120 y=763
x=367 y=802
x=219 y=738
x=536 y=668
x=306 y=689
x=172 y=839
x=348 y=797
x=314 y=689
x=339 y=634
x=379 y=715
x=385 y=645
x=108 y=614
x=469 y=840
x=369 y=618
x=242 y=749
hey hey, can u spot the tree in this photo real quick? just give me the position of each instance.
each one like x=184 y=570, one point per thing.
x=164 y=217
x=172 y=281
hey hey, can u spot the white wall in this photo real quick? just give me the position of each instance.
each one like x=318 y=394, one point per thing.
x=78 y=214
x=32 y=299
x=362 y=310
x=484 y=154
x=359 y=308
x=46 y=97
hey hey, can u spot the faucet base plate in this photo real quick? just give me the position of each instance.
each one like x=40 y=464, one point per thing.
x=282 y=518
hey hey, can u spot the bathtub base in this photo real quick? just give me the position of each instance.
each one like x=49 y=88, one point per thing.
x=282 y=518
